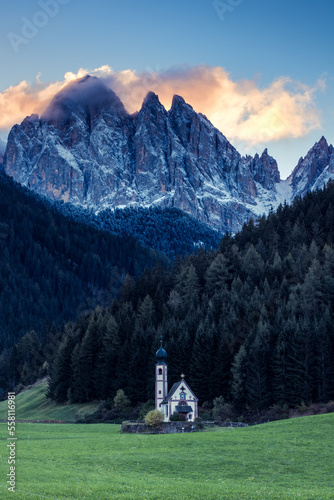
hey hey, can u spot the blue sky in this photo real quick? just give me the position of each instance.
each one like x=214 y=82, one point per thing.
x=252 y=40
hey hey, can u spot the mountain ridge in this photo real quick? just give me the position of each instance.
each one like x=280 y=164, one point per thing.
x=87 y=150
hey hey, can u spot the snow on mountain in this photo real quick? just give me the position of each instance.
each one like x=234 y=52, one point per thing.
x=87 y=150
x=307 y=173
x=325 y=176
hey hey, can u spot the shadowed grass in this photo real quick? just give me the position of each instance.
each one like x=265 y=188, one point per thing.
x=32 y=404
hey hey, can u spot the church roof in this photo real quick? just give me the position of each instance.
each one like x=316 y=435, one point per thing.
x=183 y=409
x=173 y=390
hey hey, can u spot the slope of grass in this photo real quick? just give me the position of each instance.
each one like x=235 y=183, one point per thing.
x=281 y=460
x=32 y=404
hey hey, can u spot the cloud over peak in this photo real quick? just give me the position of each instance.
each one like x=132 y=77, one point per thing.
x=242 y=110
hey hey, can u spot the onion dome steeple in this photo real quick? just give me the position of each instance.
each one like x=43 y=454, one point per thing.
x=161 y=354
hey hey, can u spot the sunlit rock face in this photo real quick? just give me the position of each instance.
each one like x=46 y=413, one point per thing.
x=87 y=150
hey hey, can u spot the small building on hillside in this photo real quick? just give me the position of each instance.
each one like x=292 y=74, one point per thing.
x=180 y=398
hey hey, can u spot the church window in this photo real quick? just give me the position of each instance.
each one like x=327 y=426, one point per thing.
x=182 y=395
x=160 y=371
x=159 y=392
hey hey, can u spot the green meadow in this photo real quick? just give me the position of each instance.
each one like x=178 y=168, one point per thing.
x=280 y=460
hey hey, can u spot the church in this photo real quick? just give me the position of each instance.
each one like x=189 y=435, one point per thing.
x=180 y=398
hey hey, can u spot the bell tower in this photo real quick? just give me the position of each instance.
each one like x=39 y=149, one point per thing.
x=161 y=384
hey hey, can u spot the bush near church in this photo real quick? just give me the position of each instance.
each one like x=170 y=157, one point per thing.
x=177 y=417
x=154 y=418
x=122 y=402
x=145 y=408
x=222 y=410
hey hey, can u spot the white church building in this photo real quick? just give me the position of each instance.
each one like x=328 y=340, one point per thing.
x=180 y=398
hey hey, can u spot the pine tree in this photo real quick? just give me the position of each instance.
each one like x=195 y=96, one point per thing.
x=13 y=368
x=146 y=313
x=106 y=364
x=188 y=287
x=121 y=402
x=324 y=356
x=258 y=373
x=253 y=266
x=312 y=290
x=140 y=364
x=328 y=275
x=127 y=289
x=61 y=372
x=238 y=384
x=84 y=384
x=226 y=346
x=286 y=329
x=201 y=368
x=216 y=275
x=299 y=364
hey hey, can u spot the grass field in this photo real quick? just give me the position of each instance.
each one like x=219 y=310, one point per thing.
x=280 y=460
x=32 y=404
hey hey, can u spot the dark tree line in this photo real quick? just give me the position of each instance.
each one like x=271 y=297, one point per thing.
x=252 y=321
x=52 y=267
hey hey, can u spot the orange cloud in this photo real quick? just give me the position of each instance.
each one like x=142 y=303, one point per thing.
x=241 y=110
x=18 y=102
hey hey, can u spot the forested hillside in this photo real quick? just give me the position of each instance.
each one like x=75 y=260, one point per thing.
x=252 y=322
x=167 y=230
x=52 y=267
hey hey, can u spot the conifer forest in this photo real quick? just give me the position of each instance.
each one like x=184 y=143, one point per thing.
x=250 y=321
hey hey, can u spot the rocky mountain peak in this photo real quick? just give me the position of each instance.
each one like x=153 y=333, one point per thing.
x=264 y=170
x=152 y=111
x=151 y=99
x=186 y=123
x=87 y=150
x=323 y=143
x=87 y=97
x=181 y=111
x=30 y=123
x=312 y=170
x=320 y=147
x=178 y=102
x=270 y=170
